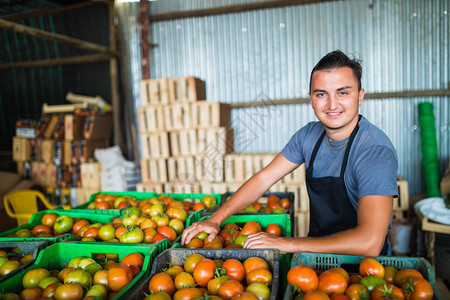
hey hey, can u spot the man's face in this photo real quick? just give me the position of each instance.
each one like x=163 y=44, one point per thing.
x=335 y=99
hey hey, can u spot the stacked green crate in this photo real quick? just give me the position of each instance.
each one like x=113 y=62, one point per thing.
x=59 y=255
x=322 y=262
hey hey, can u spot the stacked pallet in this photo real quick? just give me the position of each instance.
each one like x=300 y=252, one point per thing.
x=183 y=138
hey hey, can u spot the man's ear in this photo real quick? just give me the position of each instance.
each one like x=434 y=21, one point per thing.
x=360 y=97
x=310 y=100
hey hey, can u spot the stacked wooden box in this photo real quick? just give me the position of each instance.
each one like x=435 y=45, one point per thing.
x=183 y=138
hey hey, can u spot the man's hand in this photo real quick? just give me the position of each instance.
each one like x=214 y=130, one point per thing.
x=264 y=240
x=207 y=226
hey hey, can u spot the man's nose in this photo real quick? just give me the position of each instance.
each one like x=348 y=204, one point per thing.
x=333 y=102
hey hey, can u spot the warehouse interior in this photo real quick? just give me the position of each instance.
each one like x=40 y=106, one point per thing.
x=195 y=97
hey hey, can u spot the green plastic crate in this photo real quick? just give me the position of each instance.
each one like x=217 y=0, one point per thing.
x=36 y=220
x=319 y=261
x=59 y=255
x=24 y=249
x=176 y=257
x=116 y=212
x=263 y=219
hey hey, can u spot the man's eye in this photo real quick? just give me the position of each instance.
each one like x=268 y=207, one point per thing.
x=320 y=94
x=343 y=93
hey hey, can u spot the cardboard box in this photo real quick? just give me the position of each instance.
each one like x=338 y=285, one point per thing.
x=90 y=175
x=86 y=148
x=98 y=127
x=73 y=127
x=47 y=150
x=70 y=153
x=39 y=173
x=50 y=175
x=48 y=132
x=83 y=195
x=21 y=149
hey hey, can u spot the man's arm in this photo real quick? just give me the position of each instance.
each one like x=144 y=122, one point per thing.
x=250 y=191
x=367 y=238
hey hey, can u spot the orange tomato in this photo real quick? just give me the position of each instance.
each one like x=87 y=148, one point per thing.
x=41 y=229
x=119 y=276
x=49 y=219
x=274 y=229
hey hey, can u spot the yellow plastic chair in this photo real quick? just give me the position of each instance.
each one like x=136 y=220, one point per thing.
x=24 y=204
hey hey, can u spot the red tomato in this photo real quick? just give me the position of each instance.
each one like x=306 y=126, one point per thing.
x=272 y=198
x=356 y=292
x=234 y=268
x=162 y=282
x=230 y=288
x=404 y=275
x=49 y=219
x=285 y=203
x=41 y=229
x=230 y=227
x=316 y=295
x=370 y=266
x=387 y=291
x=188 y=294
x=134 y=259
x=192 y=261
x=339 y=297
x=78 y=224
x=303 y=277
x=168 y=232
x=332 y=282
x=253 y=263
x=259 y=275
x=204 y=271
x=119 y=276
x=417 y=289
x=274 y=229
x=389 y=274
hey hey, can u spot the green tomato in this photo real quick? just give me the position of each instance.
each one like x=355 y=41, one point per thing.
x=260 y=290
x=11 y=296
x=177 y=225
x=63 y=224
x=23 y=233
x=83 y=278
x=371 y=281
x=98 y=291
x=93 y=268
x=47 y=281
x=240 y=240
x=107 y=232
x=3 y=260
x=134 y=236
x=33 y=277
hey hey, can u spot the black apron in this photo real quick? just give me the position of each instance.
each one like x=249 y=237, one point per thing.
x=330 y=207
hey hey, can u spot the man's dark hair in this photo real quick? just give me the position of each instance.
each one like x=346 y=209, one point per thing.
x=337 y=59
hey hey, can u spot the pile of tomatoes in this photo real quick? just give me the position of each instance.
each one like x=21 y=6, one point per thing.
x=204 y=278
x=9 y=263
x=231 y=236
x=83 y=278
x=111 y=201
x=374 y=282
x=270 y=205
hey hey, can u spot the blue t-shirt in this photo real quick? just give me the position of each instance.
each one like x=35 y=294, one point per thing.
x=372 y=162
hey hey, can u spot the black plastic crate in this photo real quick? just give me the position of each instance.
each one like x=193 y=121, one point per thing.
x=177 y=257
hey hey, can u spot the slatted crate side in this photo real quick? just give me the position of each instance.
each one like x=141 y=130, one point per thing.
x=301 y=202
x=301 y=224
x=186 y=89
x=213 y=187
x=233 y=186
x=154 y=91
x=178 y=116
x=401 y=204
x=151 y=118
x=154 y=170
x=210 y=114
x=260 y=161
x=234 y=168
x=183 y=143
x=182 y=187
x=181 y=168
x=150 y=187
x=298 y=175
x=155 y=145
x=215 y=140
x=209 y=168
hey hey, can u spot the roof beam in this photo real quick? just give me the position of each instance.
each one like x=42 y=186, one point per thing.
x=85 y=59
x=56 y=37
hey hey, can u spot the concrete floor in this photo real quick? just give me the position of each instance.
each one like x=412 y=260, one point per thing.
x=6 y=222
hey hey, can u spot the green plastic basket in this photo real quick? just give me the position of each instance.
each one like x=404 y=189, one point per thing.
x=116 y=212
x=24 y=249
x=319 y=261
x=263 y=219
x=177 y=257
x=36 y=220
x=59 y=255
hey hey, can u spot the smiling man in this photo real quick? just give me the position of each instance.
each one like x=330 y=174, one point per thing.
x=351 y=170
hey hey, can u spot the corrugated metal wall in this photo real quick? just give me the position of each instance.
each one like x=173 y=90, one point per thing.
x=268 y=54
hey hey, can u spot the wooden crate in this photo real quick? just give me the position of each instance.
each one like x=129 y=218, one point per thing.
x=90 y=175
x=298 y=175
x=186 y=89
x=213 y=187
x=260 y=161
x=183 y=143
x=21 y=149
x=301 y=224
x=39 y=173
x=47 y=152
x=178 y=116
x=209 y=168
x=155 y=145
x=50 y=175
x=150 y=187
x=401 y=204
x=215 y=141
x=154 y=170
x=185 y=187
x=210 y=114
x=154 y=91
x=83 y=195
x=181 y=168
x=151 y=118
x=238 y=167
